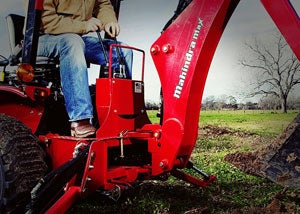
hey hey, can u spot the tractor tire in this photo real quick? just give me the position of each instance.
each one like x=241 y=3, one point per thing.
x=22 y=164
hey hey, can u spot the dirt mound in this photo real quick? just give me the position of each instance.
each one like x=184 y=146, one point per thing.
x=210 y=130
x=279 y=161
x=245 y=161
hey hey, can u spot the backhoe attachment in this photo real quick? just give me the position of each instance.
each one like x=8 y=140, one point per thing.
x=279 y=161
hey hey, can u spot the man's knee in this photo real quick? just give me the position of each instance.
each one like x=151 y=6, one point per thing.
x=73 y=42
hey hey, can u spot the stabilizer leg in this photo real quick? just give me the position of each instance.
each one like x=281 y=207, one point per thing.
x=207 y=179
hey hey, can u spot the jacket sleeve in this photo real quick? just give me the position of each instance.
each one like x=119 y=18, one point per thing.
x=55 y=23
x=104 y=11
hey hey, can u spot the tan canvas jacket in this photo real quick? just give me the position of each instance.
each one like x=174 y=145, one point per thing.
x=70 y=16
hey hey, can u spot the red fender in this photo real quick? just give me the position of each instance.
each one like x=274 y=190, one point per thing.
x=22 y=105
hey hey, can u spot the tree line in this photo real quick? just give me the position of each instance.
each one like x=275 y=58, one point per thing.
x=229 y=102
x=265 y=103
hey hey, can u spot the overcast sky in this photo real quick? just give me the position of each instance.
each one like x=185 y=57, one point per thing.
x=142 y=21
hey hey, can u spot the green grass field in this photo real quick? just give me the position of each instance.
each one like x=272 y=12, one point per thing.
x=221 y=133
x=255 y=121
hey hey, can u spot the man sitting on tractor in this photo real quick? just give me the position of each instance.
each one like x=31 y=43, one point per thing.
x=64 y=35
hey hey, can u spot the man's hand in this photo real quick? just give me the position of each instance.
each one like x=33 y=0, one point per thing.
x=93 y=24
x=112 y=29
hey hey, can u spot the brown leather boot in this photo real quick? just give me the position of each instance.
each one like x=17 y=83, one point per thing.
x=82 y=128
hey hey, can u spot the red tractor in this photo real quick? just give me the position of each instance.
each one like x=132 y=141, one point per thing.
x=44 y=169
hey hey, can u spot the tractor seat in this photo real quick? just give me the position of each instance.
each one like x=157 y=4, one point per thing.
x=15 y=25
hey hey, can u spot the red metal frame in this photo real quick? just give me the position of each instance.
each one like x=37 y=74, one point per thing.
x=182 y=55
x=287 y=20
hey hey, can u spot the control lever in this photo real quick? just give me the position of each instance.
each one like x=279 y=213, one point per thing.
x=122 y=71
x=104 y=69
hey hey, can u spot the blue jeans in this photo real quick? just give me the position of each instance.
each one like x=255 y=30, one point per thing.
x=73 y=52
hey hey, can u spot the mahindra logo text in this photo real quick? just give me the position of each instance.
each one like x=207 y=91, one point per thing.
x=188 y=58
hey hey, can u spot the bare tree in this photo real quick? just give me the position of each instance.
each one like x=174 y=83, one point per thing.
x=275 y=67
